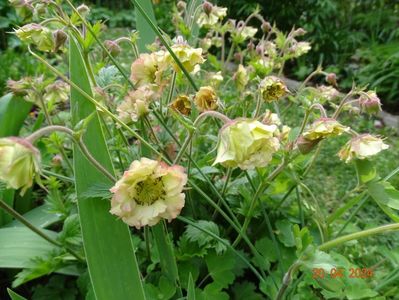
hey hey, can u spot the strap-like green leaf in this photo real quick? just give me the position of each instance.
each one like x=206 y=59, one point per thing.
x=108 y=246
x=147 y=35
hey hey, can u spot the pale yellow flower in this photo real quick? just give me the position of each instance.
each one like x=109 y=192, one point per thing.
x=38 y=35
x=136 y=104
x=300 y=48
x=370 y=103
x=361 y=147
x=148 y=192
x=19 y=163
x=145 y=70
x=188 y=56
x=206 y=99
x=211 y=15
x=246 y=144
x=271 y=118
x=182 y=104
x=324 y=127
x=272 y=88
x=57 y=92
x=328 y=93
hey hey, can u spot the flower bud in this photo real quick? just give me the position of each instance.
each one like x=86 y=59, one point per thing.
x=237 y=56
x=182 y=104
x=83 y=10
x=148 y=192
x=271 y=118
x=181 y=5
x=298 y=32
x=361 y=147
x=20 y=87
x=56 y=160
x=112 y=47
x=305 y=146
x=272 y=88
x=246 y=144
x=266 y=27
x=19 y=163
x=241 y=77
x=250 y=46
x=331 y=78
x=370 y=103
x=59 y=37
x=207 y=7
x=206 y=99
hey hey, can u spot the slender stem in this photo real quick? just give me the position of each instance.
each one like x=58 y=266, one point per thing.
x=164 y=42
x=353 y=214
x=259 y=102
x=307 y=79
x=357 y=235
x=287 y=280
x=342 y=103
x=170 y=94
x=36 y=230
x=197 y=123
x=49 y=129
x=226 y=183
x=258 y=192
x=340 y=211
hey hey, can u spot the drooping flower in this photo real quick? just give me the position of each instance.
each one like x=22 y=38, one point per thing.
x=19 y=163
x=272 y=88
x=327 y=93
x=215 y=78
x=206 y=99
x=299 y=49
x=361 y=147
x=246 y=144
x=145 y=70
x=370 y=103
x=182 y=104
x=136 y=104
x=323 y=128
x=188 y=56
x=211 y=14
x=271 y=118
x=38 y=35
x=148 y=192
x=241 y=77
x=57 y=91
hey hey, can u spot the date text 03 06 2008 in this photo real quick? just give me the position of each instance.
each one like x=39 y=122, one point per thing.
x=362 y=273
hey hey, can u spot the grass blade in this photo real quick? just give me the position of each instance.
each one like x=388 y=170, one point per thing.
x=14 y=296
x=147 y=35
x=108 y=246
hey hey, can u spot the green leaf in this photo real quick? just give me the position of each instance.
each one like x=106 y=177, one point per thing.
x=14 y=295
x=385 y=193
x=108 y=245
x=19 y=245
x=39 y=217
x=366 y=170
x=13 y=112
x=202 y=238
x=191 y=288
x=221 y=268
x=147 y=35
x=97 y=190
x=246 y=290
x=285 y=234
x=210 y=292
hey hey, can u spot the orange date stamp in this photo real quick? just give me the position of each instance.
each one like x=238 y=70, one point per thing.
x=335 y=273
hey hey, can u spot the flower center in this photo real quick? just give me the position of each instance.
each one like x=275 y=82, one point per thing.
x=149 y=191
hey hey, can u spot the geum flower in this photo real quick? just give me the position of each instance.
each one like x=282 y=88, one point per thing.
x=206 y=99
x=19 y=163
x=272 y=88
x=146 y=70
x=211 y=14
x=148 y=192
x=190 y=57
x=246 y=144
x=324 y=127
x=361 y=147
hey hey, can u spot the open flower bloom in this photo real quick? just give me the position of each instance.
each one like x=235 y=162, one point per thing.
x=246 y=144
x=148 y=192
x=324 y=127
x=57 y=92
x=300 y=48
x=19 y=163
x=145 y=70
x=182 y=104
x=272 y=88
x=211 y=15
x=136 y=104
x=188 y=56
x=206 y=99
x=361 y=147
x=38 y=35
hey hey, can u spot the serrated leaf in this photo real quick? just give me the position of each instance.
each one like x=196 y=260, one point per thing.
x=285 y=233
x=385 y=193
x=366 y=170
x=220 y=268
x=108 y=75
x=210 y=293
x=246 y=290
x=97 y=190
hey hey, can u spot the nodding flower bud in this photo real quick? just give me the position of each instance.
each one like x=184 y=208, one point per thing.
x=298 y=32
x=207 y=7
x=83 y=10
x=266 y=27
x=112 y=47
x=260 y=50
x=59 y=37
x=19 y=163
x=250 y=46
x=370 y=103
x=237 y=56
x=305 y=146
x=181 y=5
x=331 y=78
